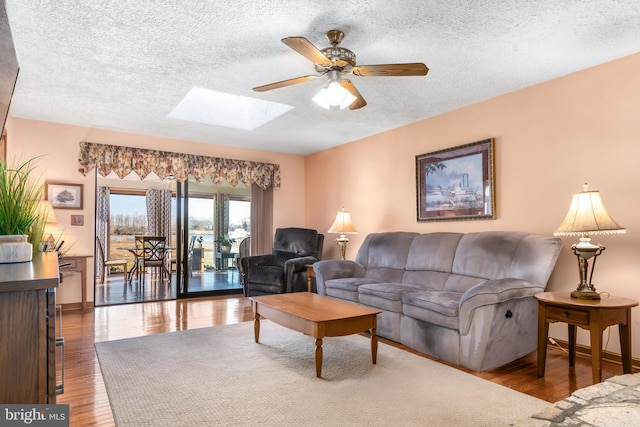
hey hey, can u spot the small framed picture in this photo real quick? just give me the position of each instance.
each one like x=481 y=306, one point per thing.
x=456 y=183
x=77 y=219
x=64 y=195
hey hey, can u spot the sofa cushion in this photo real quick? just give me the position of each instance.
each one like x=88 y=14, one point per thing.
x=385 y=296
x=433 y=252
x=387 y=250
x=346 y=288
x=460 y=283
x=437 y=307
x=435 y=280
x=487 y=255
x=384 y=274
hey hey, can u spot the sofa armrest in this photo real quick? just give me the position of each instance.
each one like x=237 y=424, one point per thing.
x=295 y=273
x=335 y=269
x=266 y=259
x=299 y=264
x=492 y=292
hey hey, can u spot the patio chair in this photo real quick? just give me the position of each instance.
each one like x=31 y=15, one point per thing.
x=152 y=254
x=108 y=263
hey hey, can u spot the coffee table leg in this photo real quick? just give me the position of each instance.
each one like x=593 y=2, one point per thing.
x=374 y=345
x=256 y=327
x=318 y=357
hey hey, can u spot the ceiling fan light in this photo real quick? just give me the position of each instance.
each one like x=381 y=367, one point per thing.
x=335 y=93
x=321 y=99
x=348 y=99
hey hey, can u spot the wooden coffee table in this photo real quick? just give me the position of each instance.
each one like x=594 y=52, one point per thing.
x=318 y=316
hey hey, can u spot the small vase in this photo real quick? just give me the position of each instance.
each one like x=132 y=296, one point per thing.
x=15 y=248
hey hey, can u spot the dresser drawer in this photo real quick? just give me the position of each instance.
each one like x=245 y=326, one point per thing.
x=71 y=264
x=562 y=314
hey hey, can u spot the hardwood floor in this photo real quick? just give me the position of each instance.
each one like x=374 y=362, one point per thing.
x=85 y=392
x=116 y=290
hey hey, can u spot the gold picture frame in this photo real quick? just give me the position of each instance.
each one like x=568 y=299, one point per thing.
x=456 y=183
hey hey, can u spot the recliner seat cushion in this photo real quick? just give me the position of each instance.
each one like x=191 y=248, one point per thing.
x=350 y=284
x=263 y=289
x=386 y=296
x=280 y=257
x=266 y=274
x=437 y=307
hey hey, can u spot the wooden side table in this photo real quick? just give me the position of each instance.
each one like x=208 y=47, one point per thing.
x=78 y=264
x=310 y=275
x=594 y=315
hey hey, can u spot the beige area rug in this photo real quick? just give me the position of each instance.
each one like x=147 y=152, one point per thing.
x=220 y=377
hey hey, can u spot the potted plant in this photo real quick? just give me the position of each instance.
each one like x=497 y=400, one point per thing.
x=224 y=243
x=21 y=217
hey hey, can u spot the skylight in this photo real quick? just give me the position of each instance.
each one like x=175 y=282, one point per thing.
x=223 y=109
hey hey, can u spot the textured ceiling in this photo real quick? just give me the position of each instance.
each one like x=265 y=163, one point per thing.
x=125 y=65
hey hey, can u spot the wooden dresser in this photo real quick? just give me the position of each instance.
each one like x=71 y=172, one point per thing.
x=27 y=330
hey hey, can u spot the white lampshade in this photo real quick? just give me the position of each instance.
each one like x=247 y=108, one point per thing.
x=587 y=215
x=334 y=95
x=46 y=208
x=343 y=224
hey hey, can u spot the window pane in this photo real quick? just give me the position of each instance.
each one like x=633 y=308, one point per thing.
x=127 y=218
x=239 y=221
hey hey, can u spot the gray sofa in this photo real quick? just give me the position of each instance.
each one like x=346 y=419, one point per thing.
x=463 y=298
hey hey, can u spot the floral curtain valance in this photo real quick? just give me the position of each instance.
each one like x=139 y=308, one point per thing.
x=122 y=160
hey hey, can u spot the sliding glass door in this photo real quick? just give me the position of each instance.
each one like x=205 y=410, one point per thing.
x=209 y=266
x=202 y=218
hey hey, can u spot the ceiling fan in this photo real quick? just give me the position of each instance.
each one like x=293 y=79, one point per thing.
x=336 y=61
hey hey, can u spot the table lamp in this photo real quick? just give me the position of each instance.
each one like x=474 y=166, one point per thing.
x=587 y=215
x=46 y=211
x=343 y=225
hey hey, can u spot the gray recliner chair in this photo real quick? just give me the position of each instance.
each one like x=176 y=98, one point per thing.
x=284 y=270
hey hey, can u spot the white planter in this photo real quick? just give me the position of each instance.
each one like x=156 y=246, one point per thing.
x=15 y=249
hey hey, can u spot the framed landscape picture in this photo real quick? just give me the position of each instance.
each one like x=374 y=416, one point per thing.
x=456 y=183
x=63 y=195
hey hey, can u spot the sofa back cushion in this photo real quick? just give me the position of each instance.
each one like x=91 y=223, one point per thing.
x=433 y=252
x=384 y=255
x=430 y=259
x=505 y=254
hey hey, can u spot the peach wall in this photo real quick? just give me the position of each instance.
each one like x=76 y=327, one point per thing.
x=58 y=146
x=549 y=139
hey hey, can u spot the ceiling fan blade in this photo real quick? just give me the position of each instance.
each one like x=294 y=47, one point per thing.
x=410 y=69
x=359 y=102
x=284 y=83
x=305 y=48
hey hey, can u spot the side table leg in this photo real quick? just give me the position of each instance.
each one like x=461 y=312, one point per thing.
x=572 y=344
x=318 y=357
x=596 y=353
x=543 y=337
x=624 y=330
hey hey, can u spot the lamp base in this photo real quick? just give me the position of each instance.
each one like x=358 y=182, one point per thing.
x=342 y=245
x=585 y=294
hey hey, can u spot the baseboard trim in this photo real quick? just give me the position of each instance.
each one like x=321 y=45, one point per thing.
x=77 y=306
x=606 y=355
